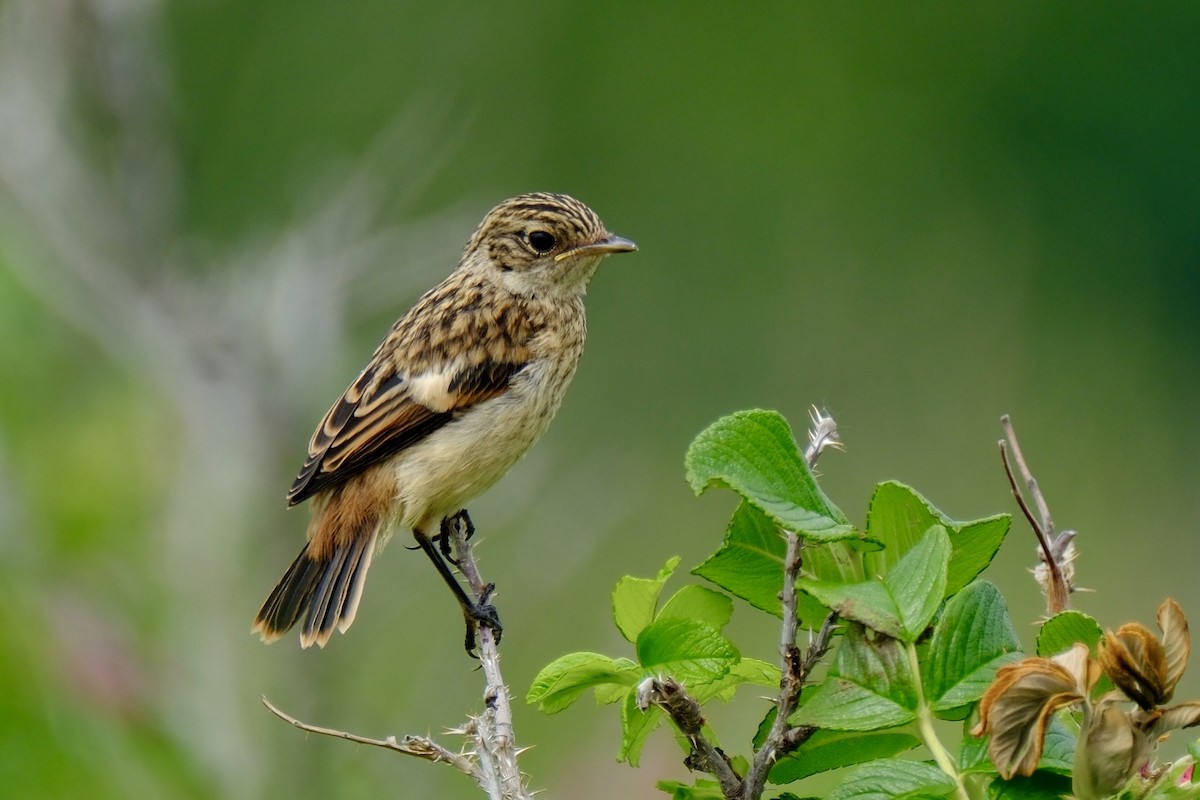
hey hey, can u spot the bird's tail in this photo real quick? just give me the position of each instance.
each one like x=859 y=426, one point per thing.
x=324 y=590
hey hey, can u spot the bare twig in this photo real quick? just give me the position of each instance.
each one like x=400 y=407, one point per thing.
x=1031 y=483
x=1055 y=573
x=418 y=746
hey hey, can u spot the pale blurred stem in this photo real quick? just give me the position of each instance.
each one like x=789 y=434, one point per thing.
x=929 y=736
x=495 y=742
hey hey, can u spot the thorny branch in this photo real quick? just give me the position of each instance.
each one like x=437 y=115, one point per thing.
x=418 y=746
x=795 y=670
x=496 y=744
x=684 y=710
x=1055 y=573
x=490 y=758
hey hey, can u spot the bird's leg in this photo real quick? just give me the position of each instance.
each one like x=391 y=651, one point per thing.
x=448 y=523
x=475 y=613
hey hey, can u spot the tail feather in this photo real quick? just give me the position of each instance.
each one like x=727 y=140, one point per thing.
x=325 y=591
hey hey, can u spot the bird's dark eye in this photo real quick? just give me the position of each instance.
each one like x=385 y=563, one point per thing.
x=541 y=241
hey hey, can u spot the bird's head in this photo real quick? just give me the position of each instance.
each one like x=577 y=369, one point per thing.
x=541 y=244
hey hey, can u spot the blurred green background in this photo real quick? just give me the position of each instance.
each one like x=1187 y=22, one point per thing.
x=918 y=216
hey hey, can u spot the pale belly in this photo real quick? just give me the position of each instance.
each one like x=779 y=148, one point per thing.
x=464 y=458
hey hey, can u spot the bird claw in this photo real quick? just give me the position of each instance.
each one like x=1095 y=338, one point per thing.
x=481 y=614
x=461 y=517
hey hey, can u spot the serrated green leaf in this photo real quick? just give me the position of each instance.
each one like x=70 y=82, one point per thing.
x=972 y=751
x=754 y=454
x=561 y=682
x=870 y=686
x=840 y=704
x=702 y=789
x=828 y=749
x=691 y=651
x=1039 y=786
x=609 y=693
x=1058 y=749
x=749 y=564
x=636 y=725
x=899 y=516
x=973 y=546
x=972 y=639
x=699 y=603
x=869 y=603
x=634 y=600
x=917 y=582
x=894 y=779
x=904 y=602
x=1063 y=630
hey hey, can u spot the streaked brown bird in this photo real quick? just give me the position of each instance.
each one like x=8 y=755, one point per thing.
x=461 y=387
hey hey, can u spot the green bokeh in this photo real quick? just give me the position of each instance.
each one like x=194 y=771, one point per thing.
x=919 y=216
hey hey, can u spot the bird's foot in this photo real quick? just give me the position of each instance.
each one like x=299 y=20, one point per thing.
x=481 y=614
x=461 y=517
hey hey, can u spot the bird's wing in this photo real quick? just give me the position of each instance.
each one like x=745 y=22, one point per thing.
x=384 y=412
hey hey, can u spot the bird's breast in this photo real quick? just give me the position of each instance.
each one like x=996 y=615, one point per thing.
x=466 y=456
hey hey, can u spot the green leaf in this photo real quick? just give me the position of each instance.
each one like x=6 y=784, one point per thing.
x=749 y=564
x=1039 y=786
x=973 y=546
x=691 y=651
x=703 y=789
x=972 y=751
x=635 y=599
x=841 y=704
x=1058 y=749
x=637 y=725
x=904 y=602
x=609 y=693
x=828 y=749
x=701 y=604
x=917 y=581
x=754 y=454
x=894 y=779
x=899 y=516
x=869 y=603
x=560 y=683
x=973 y=638
x=1063 y=630
x=870 y=686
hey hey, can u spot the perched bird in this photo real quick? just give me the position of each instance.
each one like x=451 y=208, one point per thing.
x=459 y=389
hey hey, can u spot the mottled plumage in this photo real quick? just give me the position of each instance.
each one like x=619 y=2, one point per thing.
x=455 y=394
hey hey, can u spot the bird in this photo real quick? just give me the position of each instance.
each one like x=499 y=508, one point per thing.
x=458 y=390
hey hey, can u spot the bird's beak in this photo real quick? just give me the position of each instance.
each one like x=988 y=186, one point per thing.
x=609 y=244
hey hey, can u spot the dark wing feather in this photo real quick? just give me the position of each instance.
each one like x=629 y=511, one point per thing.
x=377 y=418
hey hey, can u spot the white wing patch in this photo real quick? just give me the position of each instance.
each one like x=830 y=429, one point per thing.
x=432 y=390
